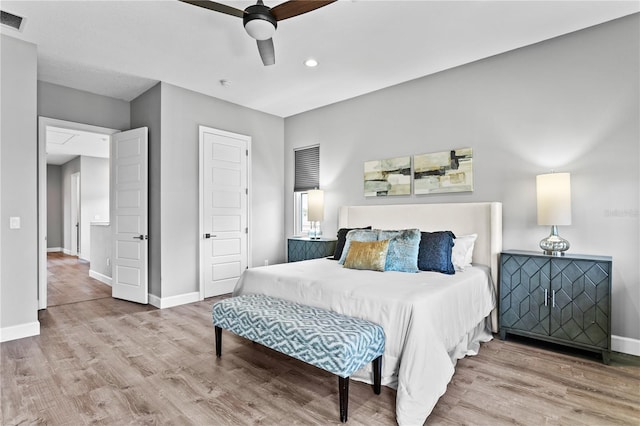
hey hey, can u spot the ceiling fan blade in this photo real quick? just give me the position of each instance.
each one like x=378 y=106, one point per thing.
x=292 y=8
x=267 y=53
x=216 y=7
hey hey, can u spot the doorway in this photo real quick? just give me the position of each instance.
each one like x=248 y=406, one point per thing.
x=66 y=140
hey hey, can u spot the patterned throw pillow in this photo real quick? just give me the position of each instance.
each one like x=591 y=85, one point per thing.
x=371 y=255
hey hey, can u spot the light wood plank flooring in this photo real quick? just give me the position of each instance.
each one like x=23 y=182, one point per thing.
x=68 y=281
x=107 y=361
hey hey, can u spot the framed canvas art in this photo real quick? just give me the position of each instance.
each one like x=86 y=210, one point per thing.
x=441 y=172
x=387 y=177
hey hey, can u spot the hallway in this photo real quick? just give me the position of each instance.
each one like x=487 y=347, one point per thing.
x=68 y=281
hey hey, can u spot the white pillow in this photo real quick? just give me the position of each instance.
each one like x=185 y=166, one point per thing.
x=462 y=251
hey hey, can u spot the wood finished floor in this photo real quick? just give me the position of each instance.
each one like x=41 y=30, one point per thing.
x=106 y=361
x=68 y=281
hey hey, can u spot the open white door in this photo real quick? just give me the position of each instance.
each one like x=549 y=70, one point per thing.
x=224 y=180
x=129 y=224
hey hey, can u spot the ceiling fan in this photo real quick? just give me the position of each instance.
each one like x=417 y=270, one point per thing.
x=261 y=21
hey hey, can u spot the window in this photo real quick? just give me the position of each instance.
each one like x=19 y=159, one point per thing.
x=307 y=176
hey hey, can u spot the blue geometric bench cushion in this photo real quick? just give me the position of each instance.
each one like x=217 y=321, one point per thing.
x=334 y=342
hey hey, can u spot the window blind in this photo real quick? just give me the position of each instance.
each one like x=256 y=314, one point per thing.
x=307 y=169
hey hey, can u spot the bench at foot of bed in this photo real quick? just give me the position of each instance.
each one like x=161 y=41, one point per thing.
x=334 y=342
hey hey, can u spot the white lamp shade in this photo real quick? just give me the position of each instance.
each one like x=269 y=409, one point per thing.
x=315 y=204
x=554 y=199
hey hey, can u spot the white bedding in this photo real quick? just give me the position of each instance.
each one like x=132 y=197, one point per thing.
x=430 y=319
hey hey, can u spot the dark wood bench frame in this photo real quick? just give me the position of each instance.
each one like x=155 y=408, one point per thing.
x=343 y=382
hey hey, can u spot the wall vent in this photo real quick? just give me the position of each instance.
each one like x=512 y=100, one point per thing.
x=11 y=20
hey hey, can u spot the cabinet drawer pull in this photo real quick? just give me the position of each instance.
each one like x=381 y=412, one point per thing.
x=553 y=298
x=546 y=296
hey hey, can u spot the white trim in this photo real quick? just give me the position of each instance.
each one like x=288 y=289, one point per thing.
x=626 y=345
x=171 y=301
x=54 y=249
x=68 y=252
x=43 y=123
x=19 y=331
x=100 y=277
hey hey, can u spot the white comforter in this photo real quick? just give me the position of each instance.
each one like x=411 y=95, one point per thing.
x=430 y=319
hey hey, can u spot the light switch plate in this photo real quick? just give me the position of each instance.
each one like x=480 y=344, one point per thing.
x=14 y=222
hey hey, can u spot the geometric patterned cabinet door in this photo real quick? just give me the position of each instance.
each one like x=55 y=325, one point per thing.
x=304 y=248
x=565 y=300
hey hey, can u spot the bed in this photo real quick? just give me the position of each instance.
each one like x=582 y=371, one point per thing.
x=430 y=319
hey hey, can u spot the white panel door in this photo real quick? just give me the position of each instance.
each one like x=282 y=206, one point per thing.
x=129 y=224
x=224 y=209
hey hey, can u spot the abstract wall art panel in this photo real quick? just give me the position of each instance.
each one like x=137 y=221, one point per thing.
x=441 y=172
x=387 y=177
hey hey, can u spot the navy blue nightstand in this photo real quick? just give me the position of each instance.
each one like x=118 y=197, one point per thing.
x=305 y=248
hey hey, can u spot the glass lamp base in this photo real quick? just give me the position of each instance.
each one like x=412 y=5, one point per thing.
x=315 y=233
x=554 y=245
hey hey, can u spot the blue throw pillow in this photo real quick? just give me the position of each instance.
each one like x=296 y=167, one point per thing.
x=434 y=253
x=402 y=255
x=342 y=239
x=363 y=235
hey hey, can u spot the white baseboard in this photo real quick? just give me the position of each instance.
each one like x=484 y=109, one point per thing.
x=53 y=249
x=625 y=345
x=19 y=331
x=100 y=277
x=68 y=252
x=169 y=302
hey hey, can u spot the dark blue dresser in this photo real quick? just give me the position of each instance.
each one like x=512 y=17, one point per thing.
x=304 y=248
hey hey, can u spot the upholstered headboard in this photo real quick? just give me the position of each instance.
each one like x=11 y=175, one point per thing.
x=484 y=219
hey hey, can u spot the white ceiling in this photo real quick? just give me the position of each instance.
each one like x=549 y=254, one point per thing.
x=65 y=144
x=122 y=48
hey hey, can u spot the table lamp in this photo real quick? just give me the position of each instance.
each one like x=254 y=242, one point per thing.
x=315 y=205
x=554 y=208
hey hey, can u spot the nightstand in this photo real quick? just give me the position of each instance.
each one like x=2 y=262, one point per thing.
x=304 y=248
x=560 y=299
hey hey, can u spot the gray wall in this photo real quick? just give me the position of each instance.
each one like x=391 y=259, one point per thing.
x=94 y=198
x=54 y=207
x=101 y=249
x=569 y=104
x=78 y=106
x=18 y=188
x=182 y=111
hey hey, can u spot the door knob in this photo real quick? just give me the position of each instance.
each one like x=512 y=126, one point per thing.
x=207 y=235
x=141 y=237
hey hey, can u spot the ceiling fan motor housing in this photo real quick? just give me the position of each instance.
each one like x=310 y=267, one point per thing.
x=259 y=22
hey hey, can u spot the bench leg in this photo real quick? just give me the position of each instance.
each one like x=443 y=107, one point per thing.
x=377 y=374
x=343 y=387
x=218 y=341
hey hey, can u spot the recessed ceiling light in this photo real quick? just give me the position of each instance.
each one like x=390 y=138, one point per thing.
x=311 y=63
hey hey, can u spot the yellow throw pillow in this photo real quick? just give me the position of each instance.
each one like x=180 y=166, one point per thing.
x=370 y=255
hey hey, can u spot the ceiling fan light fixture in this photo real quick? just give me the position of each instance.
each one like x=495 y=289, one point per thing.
x=260 y=29
x=258 y=21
